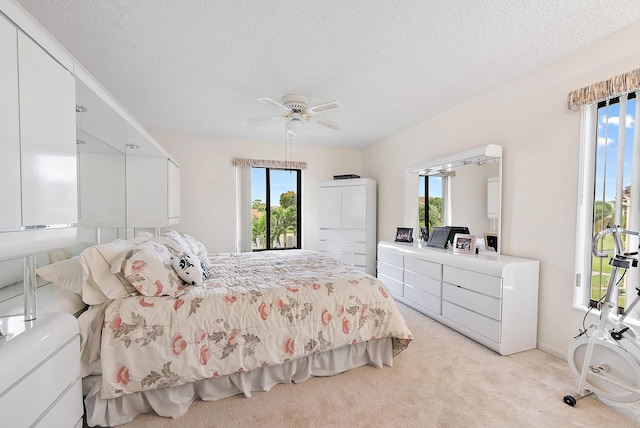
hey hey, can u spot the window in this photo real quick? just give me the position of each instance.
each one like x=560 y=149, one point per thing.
x=275 y=208
x=609 y=189
x=430 y=201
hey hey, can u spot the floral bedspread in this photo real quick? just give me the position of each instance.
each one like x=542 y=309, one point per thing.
x=257 y=309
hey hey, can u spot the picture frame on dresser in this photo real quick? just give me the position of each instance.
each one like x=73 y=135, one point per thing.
x=404 y=234
x=464 y=244
x=491 y=241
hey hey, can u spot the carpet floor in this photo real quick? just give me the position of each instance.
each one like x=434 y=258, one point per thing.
x=443 y=379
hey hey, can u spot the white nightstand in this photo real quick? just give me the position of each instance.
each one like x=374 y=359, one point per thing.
x=39 y=372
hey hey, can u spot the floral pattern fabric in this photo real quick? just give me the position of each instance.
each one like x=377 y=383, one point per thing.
x=256 y=309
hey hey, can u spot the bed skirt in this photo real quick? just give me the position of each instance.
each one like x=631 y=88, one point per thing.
x=175 y=401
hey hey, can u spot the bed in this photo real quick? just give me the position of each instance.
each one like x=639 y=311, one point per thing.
x=168 y=323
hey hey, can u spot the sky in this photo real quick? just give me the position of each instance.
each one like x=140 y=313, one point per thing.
x=435 y=187
x=281 y=182
x=610 y=137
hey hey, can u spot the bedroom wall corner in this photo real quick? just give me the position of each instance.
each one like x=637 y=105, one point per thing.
x=540 y=137
x=207 y=184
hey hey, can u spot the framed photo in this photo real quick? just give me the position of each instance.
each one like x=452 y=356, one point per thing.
x=404 y=234
x=491 y=241
x=464 y=244
x=424 y=235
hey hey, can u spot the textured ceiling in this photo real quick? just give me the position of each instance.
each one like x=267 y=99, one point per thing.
x=197 y=66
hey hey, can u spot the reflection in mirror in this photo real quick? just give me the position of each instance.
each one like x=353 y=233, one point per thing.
x=462 y=190
x=430 y=203
x=101 y=140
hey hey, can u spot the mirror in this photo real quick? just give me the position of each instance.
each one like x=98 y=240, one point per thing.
x=101 y=140
x=468 y=186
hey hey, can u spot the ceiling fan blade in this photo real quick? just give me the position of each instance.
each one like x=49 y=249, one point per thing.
x=262 y=119
x=321 y=108
x=274 y=103
x=326 y=123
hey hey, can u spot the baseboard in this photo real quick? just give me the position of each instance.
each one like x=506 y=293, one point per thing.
x=562 y=354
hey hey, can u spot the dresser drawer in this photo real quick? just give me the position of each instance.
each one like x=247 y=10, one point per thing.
x=342 y=247
x=393 y=285
x=479 y=282
x=391 y=271
x=68 y=410
x=423 y=267
x=389 y=257
x=485 y=305
x=354 y=235
x=23 y=403
x=426 y=300
x=485 y=326
x=348 y=258
x=424 y=283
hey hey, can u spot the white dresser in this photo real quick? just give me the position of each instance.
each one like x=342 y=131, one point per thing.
x=40 y=383
x=348 y=222
x=492 y=299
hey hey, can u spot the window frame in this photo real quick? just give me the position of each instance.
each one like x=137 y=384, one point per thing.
x=268 y=208
x=587 y=198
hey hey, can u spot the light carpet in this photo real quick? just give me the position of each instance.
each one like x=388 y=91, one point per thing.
x=443 y=379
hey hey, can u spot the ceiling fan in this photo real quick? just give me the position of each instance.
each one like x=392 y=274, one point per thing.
x=295 y=109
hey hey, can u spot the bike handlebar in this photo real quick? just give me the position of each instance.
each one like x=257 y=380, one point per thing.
x=616 y=231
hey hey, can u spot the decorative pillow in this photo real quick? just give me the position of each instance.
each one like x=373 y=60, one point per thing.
x=189 y=268
x=176 y=241
x=66 y=274
x=99 y=283
x=195 y=247
x=148 y=268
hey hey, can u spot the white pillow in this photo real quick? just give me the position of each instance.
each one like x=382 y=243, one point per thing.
x=189 y=268
x=66 y=274
x=176 y=241
x=98 y=262
x=195 y=247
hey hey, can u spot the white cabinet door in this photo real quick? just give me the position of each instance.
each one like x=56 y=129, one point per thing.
x=47 y=138
x=10 y=214
x=102 y=189
x=354 y=207
x=330 y=207
x=147 y=187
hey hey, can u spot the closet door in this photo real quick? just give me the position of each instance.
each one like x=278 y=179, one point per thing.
x=10 y=214
x=47 y=138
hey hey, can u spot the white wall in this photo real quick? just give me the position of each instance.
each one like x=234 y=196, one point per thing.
x=540 y=140
x=207 y=182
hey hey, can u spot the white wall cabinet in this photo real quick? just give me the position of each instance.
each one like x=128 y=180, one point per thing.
x=10 y=214
x=348 y=221
x=38 y=153
x=47 y=137
x=149 y=204
x=491 y=299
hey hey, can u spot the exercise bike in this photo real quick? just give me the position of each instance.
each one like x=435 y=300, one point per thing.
x=606 y=356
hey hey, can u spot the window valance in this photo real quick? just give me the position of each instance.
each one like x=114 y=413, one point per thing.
x=262 y=163
x=613 y=87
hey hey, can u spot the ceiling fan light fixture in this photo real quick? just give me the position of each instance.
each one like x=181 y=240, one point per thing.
x=295 y=126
